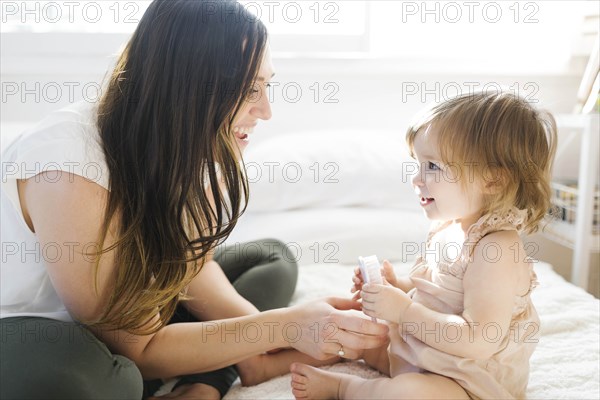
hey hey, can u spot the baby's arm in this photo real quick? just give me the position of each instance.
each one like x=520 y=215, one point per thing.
x=490 y=285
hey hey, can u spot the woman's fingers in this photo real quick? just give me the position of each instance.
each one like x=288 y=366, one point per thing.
x=346 y=352
x=358 y=325
x=340 y=324
x=353 y=340
x=343 y=304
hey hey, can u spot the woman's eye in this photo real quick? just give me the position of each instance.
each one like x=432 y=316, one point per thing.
x=253 y=93
x=255 y=88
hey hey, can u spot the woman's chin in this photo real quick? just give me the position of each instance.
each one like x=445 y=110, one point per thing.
x=239 y=152
x=241 y=146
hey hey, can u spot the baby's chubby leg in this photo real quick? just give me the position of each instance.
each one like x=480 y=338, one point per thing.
x=313 y=383
x=378 y=358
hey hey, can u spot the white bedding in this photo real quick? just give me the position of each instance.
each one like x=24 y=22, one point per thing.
x=360 y=203
x=565 y=364
x=312 y=215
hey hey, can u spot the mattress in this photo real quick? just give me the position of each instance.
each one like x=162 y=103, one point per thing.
x=565 y=364
x=360 y=203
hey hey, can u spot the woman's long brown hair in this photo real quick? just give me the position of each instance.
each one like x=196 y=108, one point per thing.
x=165 y=127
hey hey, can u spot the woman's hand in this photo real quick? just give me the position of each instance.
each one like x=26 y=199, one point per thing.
x=323 y=328
x=385 y=302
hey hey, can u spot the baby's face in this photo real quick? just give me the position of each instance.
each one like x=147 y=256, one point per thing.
x=438 y=185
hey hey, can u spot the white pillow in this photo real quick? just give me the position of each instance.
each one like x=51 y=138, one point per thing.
x=330 y=169
x=337 y=235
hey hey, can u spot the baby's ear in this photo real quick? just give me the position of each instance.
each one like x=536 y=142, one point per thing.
x=494 y=180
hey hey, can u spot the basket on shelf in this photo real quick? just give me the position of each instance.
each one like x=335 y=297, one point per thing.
x=564 y=200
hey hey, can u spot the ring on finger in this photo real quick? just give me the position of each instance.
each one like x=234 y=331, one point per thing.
x=341 y=351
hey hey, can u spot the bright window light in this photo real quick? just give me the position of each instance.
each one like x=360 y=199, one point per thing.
x=310 y=17
x=478 y=32
x=281 y=17
x=452 y=35
x=111 y=16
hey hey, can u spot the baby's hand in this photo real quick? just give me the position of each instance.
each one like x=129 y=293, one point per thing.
x=358 y=283
x=388 y=273
x=385 y=302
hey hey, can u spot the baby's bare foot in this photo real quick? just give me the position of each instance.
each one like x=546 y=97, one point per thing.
x=313 y=383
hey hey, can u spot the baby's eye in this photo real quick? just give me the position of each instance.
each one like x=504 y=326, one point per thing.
x=433 y=166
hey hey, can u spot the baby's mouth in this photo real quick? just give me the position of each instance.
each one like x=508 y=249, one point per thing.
x=427 y=200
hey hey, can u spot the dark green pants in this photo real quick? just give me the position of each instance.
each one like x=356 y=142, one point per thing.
x=47 y=359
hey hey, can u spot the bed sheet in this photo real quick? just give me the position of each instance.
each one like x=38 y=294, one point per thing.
x=565 y=364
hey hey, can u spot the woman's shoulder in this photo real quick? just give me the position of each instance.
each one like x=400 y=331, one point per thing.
x=66 y=140
x=73 y=120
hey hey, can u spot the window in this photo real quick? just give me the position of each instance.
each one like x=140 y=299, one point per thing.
x=294 y=26
x=450 y=36
x=42 y=16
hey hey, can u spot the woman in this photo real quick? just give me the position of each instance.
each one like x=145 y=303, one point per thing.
x=127 y=246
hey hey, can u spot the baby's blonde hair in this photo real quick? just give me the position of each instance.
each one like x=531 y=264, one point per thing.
x=502 y=141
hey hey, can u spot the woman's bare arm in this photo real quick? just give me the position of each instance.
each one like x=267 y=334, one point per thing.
x=213 y=296
x=67 y=212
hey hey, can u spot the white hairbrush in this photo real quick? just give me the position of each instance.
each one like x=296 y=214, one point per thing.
x=370 y=271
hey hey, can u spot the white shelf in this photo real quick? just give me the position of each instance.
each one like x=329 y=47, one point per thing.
x=563 y=233
x=579 y=236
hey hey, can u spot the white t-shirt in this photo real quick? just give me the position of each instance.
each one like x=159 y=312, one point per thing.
x=66 y=140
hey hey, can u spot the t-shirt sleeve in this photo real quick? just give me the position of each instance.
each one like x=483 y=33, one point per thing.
x=64 y=146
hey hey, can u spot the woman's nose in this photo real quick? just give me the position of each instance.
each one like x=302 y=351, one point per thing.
x=262 y=107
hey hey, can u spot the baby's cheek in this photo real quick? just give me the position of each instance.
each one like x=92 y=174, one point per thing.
x=432 y=178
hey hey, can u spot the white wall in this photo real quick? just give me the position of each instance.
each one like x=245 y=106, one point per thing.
x=368 y=91
x=371 y=93
x=377 y=94
x=400 y=50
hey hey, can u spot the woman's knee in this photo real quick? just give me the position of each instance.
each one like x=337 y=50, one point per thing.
x=284 y=263
x=271 y=281
x=286 y=255
x=62 y=360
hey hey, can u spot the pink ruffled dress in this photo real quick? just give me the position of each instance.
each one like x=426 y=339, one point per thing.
x=440 y=287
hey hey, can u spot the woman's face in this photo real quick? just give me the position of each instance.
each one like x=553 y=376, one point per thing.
x=257 y=106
